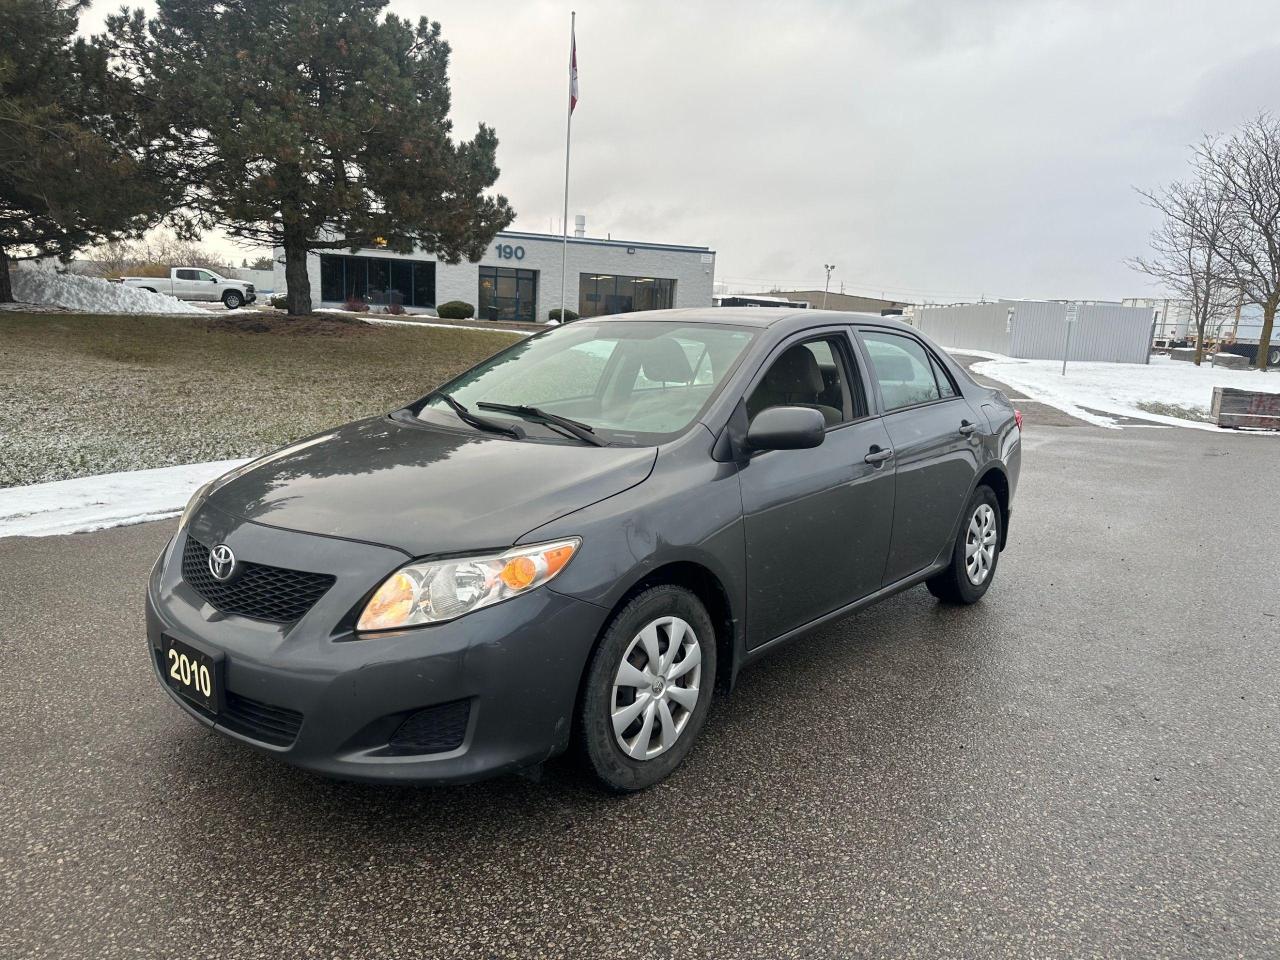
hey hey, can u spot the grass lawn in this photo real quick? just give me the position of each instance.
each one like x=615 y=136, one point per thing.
x=81 y=395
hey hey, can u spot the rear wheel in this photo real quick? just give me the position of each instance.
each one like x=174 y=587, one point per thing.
x=648 y=688
x=975 y=555
x=232 y=300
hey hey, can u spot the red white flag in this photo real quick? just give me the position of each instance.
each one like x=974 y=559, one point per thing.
x=573 y=70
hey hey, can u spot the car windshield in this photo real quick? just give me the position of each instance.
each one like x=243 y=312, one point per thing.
x=632 y=382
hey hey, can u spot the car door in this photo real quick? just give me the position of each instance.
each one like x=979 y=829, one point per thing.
x=935 y=437
x=817 y=522
x=206 y=285
x=184 y=284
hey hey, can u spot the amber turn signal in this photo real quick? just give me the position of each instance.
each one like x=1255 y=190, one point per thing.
x=391 y=605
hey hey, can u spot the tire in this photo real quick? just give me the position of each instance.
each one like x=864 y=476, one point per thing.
x=963 y=581
x=232 y=300
x=656 y=616
x=1273 y=358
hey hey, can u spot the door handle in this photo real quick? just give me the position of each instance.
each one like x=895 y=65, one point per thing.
x=878 y=456
x=966 y=427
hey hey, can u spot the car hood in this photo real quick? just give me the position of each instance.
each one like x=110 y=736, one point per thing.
x=426 y=490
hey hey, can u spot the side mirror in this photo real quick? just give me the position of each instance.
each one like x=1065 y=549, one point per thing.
x=786 y=428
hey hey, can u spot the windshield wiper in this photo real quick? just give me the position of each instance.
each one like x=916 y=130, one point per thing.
x=582 y=431
x=480 y=423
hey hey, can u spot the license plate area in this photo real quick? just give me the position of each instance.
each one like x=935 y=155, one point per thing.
x=192 y=673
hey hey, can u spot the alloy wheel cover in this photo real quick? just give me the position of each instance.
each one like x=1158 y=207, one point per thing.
x=980 y=544
x=656 y=688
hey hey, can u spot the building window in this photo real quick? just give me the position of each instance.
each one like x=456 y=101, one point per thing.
x=508 y=294
x=602 y=293
x=377 y=280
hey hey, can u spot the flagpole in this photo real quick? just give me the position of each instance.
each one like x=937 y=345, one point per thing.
x=568 y=129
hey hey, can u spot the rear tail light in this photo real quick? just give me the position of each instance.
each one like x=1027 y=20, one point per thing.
x=1017 y=418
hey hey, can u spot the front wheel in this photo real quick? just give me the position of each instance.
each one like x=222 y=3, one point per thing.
x=648 y=689
x=975 y=555
x=232 y=300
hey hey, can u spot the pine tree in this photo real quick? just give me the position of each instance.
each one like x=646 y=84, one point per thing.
x=313 y=125
x=74 y=170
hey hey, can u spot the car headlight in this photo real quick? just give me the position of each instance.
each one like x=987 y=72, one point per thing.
x=438 y=590
x=194 y=503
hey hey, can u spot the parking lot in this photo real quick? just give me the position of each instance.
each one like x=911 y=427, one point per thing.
x=1083 y=765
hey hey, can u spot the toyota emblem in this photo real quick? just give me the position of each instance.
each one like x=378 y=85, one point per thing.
x=222 y=562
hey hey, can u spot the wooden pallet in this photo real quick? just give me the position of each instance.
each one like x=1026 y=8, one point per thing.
x=1246 y=409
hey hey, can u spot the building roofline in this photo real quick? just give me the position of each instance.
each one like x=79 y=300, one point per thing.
x=596 y=241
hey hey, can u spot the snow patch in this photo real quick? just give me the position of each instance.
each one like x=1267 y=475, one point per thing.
x=90 y=295
x=109 y=500
x=386 y=321
x=1118 y=388
x=986 y=355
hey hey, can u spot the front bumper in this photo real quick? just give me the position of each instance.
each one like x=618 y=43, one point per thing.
x=321 y=700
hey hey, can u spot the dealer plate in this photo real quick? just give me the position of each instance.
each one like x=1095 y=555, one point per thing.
x=192 y=673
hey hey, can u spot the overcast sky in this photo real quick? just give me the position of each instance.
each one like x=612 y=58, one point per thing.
x=931 y=150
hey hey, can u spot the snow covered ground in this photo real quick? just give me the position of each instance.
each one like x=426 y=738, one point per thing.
x=390 y=322
x=108 y=500
x=44 y=287
x=1118 y=388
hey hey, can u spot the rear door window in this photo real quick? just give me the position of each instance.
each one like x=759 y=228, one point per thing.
x=903 y=369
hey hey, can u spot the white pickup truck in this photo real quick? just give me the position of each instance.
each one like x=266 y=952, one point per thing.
x=197 y=283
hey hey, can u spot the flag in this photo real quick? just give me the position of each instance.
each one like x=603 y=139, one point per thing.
x=573 y=70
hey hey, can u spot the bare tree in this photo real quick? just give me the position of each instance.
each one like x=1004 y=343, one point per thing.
x=153 y=256
x=1245 y=170
x=1186 y=251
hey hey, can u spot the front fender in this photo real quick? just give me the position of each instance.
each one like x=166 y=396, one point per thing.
x=683 y=523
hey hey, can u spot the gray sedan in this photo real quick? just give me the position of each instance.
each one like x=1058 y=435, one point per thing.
x=579 y=542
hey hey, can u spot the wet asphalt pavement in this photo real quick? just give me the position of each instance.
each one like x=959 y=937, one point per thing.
x=1085 y=764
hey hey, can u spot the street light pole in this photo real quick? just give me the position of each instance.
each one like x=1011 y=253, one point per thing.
x=828 y=267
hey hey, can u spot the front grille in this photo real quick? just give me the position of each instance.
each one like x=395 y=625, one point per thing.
x=260 y=721
x=436 y=729
x=258 y=591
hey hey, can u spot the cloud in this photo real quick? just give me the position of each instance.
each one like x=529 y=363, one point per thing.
x=929 y=149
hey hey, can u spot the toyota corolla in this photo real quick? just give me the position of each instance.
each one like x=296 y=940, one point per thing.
x=578 y=542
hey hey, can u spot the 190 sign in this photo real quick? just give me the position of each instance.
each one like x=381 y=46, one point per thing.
x=507 y=252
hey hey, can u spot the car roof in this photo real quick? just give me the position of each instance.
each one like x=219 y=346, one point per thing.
x=757 y=317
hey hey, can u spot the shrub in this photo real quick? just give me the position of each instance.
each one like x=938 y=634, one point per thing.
x=280 y=301
x=569 y=316
x=355 y=305
x=455 y=310
x=395 y=308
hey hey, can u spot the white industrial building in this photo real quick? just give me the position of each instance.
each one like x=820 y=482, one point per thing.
x=518 y=278
x=1043 y=329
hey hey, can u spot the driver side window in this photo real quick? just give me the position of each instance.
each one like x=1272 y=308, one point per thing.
x=809 y=374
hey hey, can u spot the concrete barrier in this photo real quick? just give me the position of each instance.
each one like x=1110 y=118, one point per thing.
x=1231 y=361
